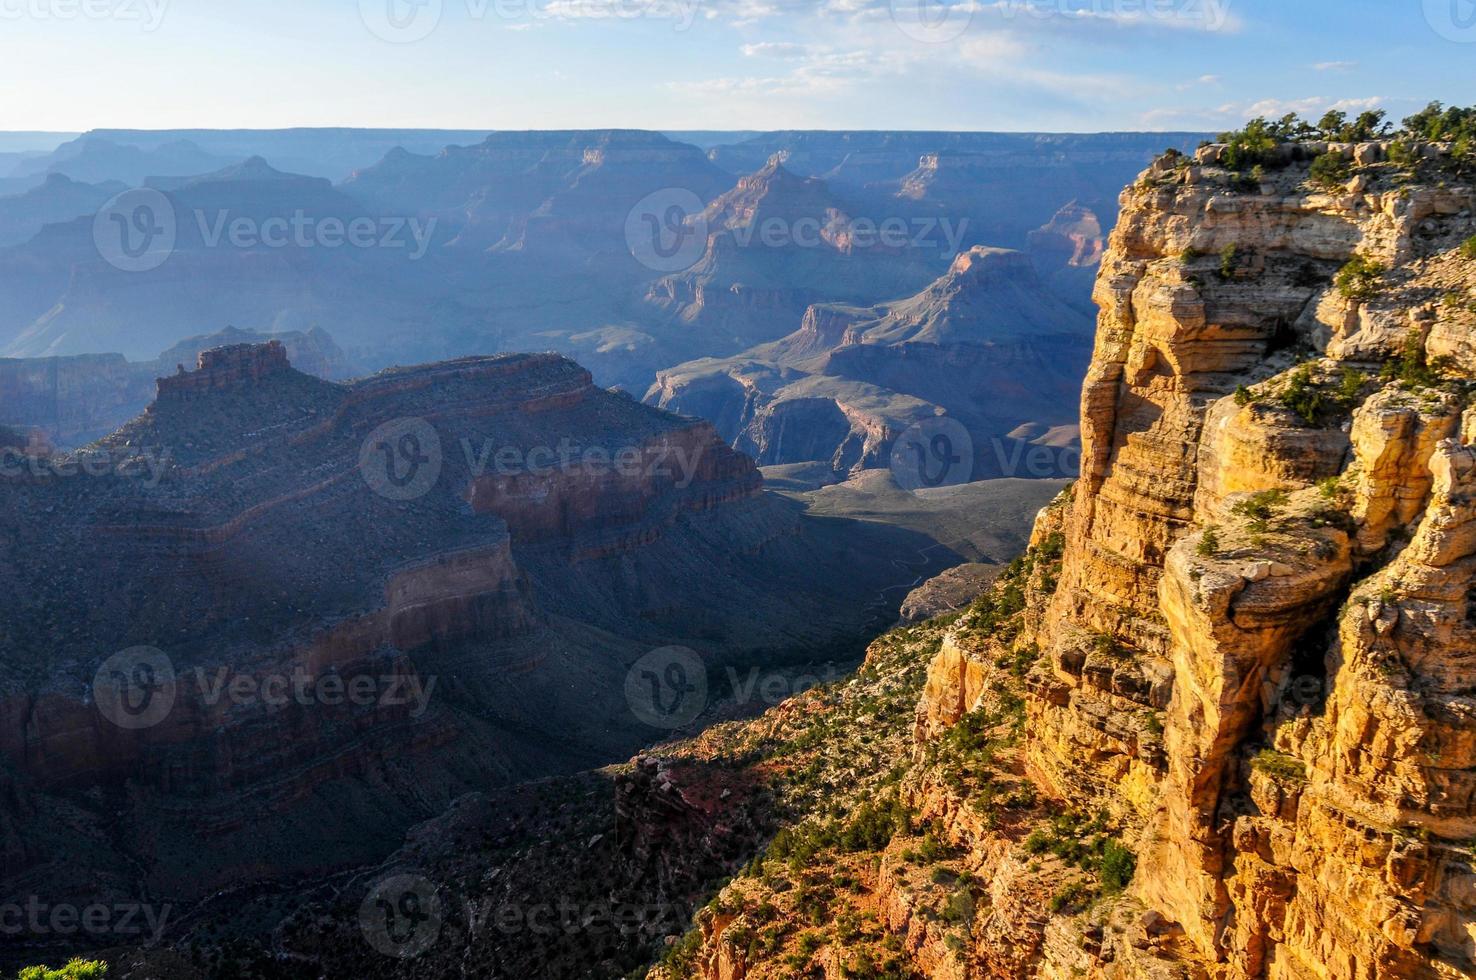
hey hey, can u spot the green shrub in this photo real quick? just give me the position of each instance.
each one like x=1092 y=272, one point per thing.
x=959 y=907
x=1118 y=865
x=1260 y=508
x=1413 y=367
x=1360 y=278
x=1436 y=123
x=934 y=848
x=1402 y=154
x=1369 y=125
x=1228 y=260
x=1330 y=172
x=680 y=958
x=1244 y=396
x=1279 y=765
x=1468 y=248
x=1039 y=841
x=1069 y=897
x=1302 y=395
x=1209 y=543
x=76 y=969
x=1350 y=386
x=1254 y=144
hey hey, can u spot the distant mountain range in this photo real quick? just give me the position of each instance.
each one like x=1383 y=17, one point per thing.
x=534 y=241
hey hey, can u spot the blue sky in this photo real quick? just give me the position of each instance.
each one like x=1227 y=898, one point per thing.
x=1066 y=65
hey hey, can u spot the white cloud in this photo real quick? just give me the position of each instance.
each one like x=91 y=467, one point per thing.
x=1201 y=80
x=781 y=50
x=1335 y=65
x=1028 y=16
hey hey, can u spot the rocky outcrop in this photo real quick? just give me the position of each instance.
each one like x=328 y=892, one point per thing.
x=237 y=366
x=1213 y=537
x=948 y=592
x=71 y=401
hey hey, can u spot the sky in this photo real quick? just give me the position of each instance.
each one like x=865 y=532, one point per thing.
x=1053 y=65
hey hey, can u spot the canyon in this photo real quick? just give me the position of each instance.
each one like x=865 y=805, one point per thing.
x=1214 y=723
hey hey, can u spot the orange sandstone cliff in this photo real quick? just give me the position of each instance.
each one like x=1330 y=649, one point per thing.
x=1220 y=722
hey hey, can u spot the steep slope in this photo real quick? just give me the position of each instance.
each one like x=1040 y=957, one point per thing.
x=249 y=545
x=777 y=243
x=985 y=343
x=1067 y=251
